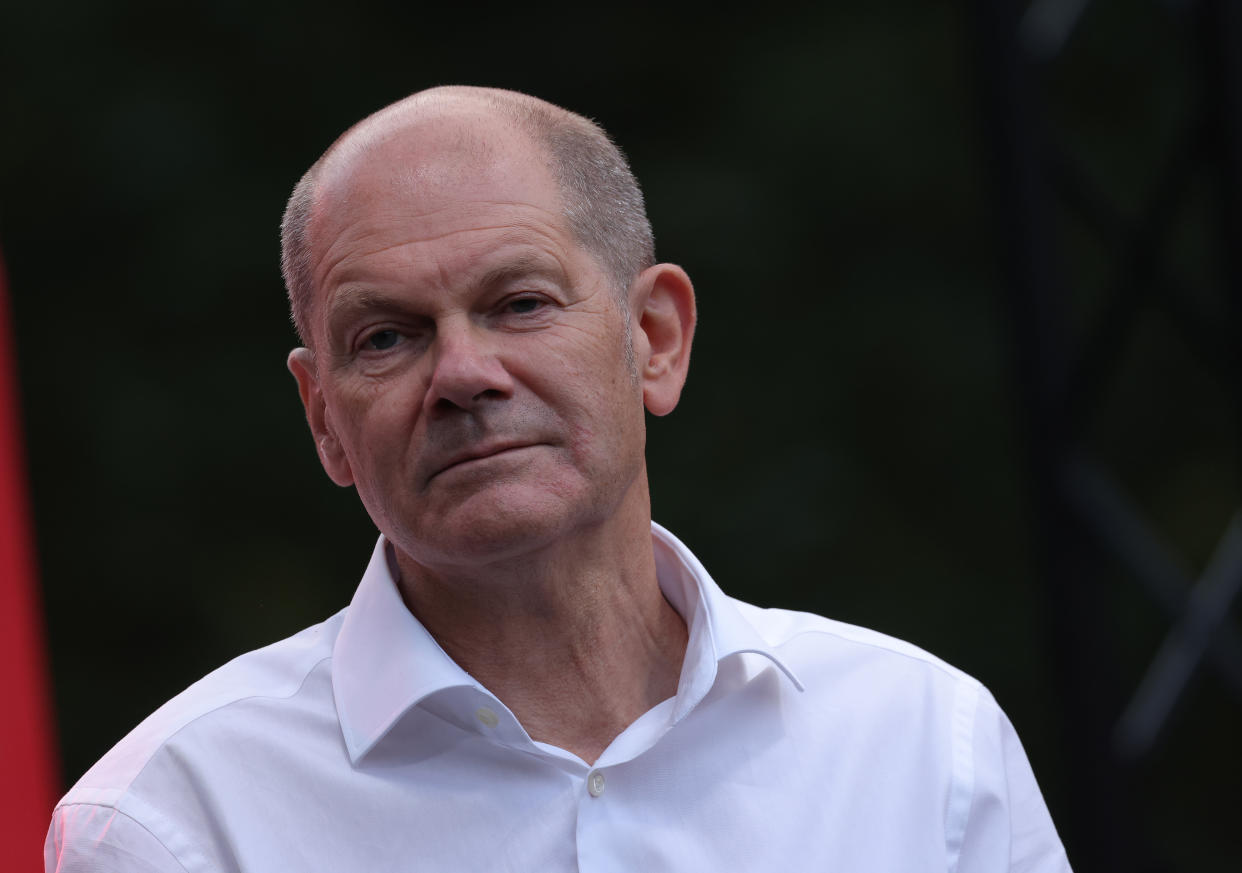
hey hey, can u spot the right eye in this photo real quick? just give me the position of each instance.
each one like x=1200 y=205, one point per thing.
x=381 y=340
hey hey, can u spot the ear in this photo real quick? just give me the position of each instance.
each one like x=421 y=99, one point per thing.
x=301 y=364
x=662 y=305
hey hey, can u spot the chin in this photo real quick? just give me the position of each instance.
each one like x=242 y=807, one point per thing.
x=485 y=530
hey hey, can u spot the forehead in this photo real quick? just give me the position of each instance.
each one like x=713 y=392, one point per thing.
x=435 y=160
x=414 y=183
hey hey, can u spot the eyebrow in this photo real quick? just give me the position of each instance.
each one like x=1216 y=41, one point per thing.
x=522 y=267
x=352 y=300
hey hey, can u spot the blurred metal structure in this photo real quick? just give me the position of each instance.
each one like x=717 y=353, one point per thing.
x=1112 y=720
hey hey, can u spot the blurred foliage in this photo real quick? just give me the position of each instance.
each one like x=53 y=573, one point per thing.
x=850 y=439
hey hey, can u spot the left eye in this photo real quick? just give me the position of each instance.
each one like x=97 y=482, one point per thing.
x=524 y=305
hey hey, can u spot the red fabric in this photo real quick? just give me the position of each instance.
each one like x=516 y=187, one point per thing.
x=27 y=759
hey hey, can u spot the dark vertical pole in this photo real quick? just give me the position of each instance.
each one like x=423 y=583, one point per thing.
x=1220 y=36
x=1100 y=830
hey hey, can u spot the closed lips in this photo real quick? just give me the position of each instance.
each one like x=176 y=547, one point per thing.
x=479 y=454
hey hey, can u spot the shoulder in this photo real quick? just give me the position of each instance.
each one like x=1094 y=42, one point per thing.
x=874 y=681
x=223 y=702
x=869 y=697
x=816 y=641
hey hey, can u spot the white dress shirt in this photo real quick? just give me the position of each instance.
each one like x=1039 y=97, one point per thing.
x=793 y=743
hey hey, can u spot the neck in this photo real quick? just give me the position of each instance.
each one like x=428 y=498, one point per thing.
x=576 y=639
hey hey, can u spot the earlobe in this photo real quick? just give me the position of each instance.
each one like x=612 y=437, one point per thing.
x=665 y=309
x=301 y=364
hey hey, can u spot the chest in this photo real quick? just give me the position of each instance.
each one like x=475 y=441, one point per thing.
x=806 y=788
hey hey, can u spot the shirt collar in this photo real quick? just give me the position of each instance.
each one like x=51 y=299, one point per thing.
x=717 y=627
x=385 y=661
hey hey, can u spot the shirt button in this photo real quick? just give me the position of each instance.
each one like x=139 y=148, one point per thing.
x=595 y=783
x=486 y=716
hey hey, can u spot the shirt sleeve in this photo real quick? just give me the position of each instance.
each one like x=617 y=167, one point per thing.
x=85 y=838
x=1008 y=827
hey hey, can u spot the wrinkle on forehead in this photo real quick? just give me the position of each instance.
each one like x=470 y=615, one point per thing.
x=410 y=158
x=357 y=245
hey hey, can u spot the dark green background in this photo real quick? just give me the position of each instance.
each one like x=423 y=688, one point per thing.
x=850 y=440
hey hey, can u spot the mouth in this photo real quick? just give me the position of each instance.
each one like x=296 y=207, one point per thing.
x=479 y=453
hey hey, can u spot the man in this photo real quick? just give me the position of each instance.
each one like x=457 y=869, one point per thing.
x=531 y=675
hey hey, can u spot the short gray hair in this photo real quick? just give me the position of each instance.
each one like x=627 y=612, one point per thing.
x=602 y=202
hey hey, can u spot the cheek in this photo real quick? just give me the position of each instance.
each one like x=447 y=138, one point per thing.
x=377 y=426
x=609 y=427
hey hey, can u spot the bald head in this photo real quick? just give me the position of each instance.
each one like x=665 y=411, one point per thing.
x=601 y=203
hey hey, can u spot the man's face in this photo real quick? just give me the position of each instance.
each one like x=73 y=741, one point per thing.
x=470 y=356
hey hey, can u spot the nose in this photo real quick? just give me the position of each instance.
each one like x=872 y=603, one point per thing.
x=466 y=370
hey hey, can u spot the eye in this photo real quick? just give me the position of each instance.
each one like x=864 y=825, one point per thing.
x=381 y=340
x=524 y=305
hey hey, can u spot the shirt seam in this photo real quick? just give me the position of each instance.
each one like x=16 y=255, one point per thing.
x=961 y=800
x=128 y=786
x=922 y=657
